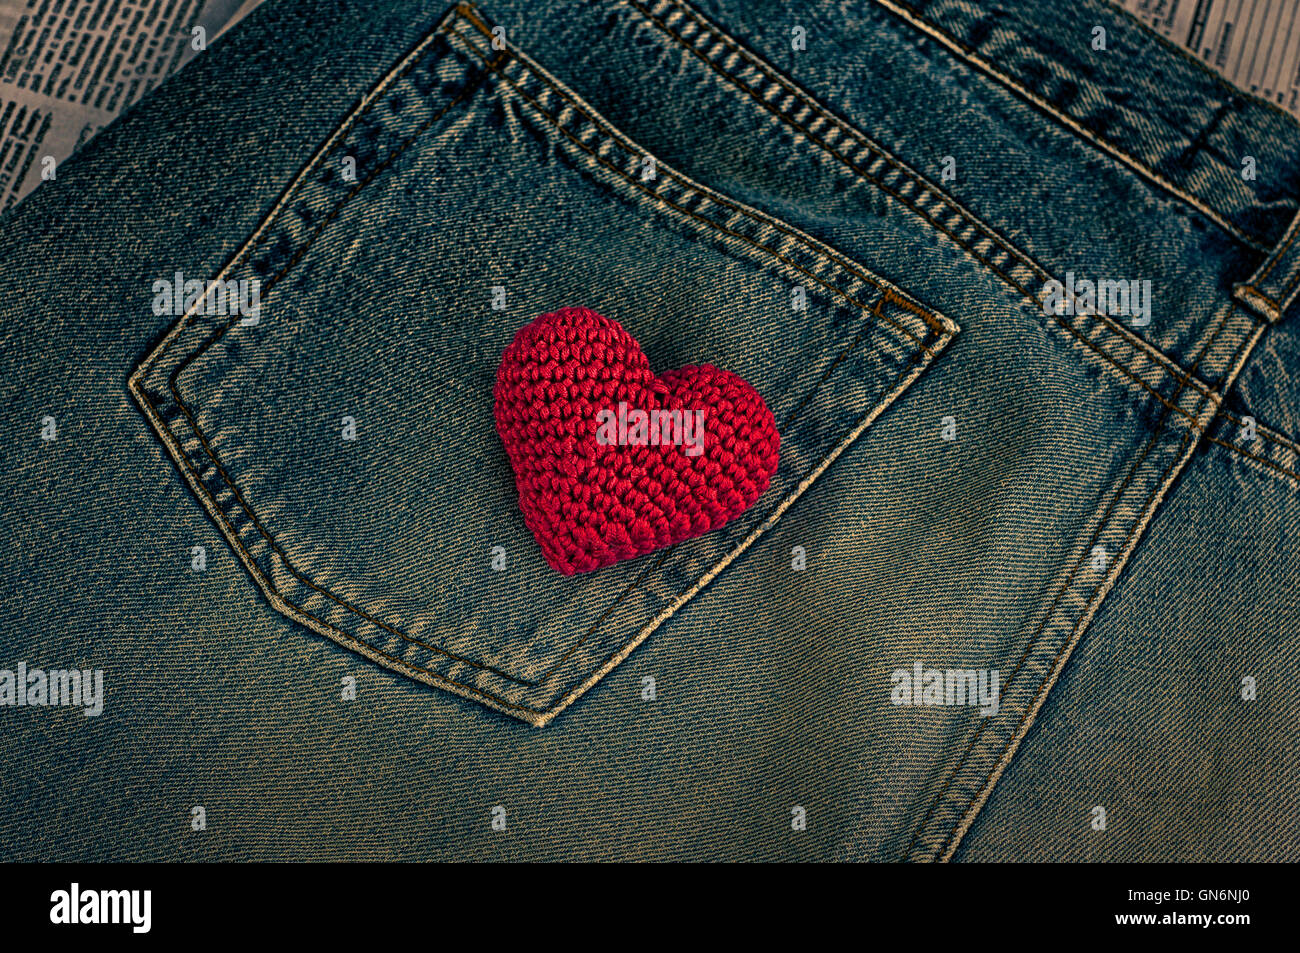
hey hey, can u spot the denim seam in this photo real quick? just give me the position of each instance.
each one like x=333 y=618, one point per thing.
x=1231 y=369
x=1276 y=447
x=1032 y=643
x=1181 y=376
x=938 y=325
x=948 y=845
x=313 y=621
x=1067 y=647
x=1275 y=253
x=1265 y=434
x=303 y=577
x=923 y=313
x=1292 y=283
x=906 y=13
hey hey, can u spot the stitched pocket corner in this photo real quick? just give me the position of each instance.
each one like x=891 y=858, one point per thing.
x=343 y=441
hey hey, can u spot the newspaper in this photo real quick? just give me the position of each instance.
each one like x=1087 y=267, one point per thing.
x=1254 y=43
x=68 y=67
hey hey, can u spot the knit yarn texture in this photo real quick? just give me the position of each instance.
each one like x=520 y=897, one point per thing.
x=591 y=501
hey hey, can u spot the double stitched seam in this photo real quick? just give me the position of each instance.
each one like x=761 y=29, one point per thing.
x=347 y=637
x=1277 y=440
x=1263 y=434
x=949 y=841
x=904 y=10
x=1258 y=243
x=927 y=317
x=416 y=56
x=806 y=99
x=138 y=387
x=1031 y=644
x=1069 y=581
x=1069 y=641
x=1256 y=457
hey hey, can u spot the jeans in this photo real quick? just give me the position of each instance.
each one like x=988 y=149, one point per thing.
x=1023 y=309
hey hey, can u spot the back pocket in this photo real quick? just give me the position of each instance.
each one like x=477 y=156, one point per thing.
x=342 y=437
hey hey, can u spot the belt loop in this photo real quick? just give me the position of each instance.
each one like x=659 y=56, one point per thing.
x=1273 y=288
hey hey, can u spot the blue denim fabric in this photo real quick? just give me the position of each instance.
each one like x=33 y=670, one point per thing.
x=1098 y=509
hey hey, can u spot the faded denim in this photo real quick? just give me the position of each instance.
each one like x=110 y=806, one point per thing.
x=1106 y=528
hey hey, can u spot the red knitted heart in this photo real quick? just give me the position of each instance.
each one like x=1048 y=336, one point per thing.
x=597 y=483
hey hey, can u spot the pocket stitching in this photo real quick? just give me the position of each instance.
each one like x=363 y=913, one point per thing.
x=940 y=326
x=385 y=82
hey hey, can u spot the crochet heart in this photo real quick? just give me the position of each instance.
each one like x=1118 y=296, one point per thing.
x=612 y=462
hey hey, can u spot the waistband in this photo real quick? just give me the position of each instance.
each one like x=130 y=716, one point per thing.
x=1141 y=99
